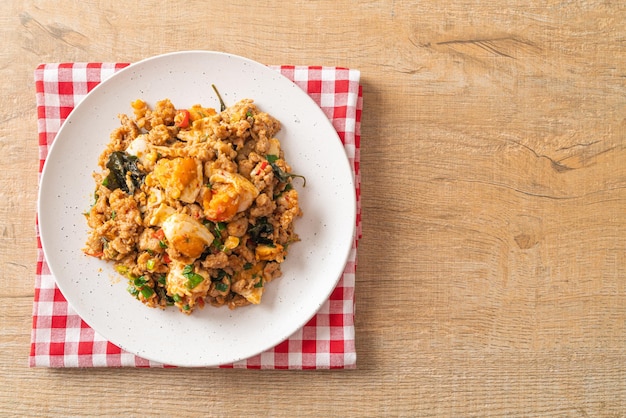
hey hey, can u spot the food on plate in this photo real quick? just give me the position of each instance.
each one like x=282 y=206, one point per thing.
x=194 y=206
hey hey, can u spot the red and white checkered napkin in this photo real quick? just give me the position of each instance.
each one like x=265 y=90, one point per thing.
x=60 y=338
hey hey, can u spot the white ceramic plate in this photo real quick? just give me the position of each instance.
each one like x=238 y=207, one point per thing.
x=211 y=336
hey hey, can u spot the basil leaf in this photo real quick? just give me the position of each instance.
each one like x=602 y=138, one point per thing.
x=222 y=287
x=283 y=176
x=221 y=273
x=121 y=164
x=259 y=232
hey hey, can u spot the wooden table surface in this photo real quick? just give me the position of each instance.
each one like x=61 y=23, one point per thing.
x=492 y=270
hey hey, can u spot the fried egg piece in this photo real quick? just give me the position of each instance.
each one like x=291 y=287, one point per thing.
x=270 y=252
x=230 y=194
x=138 y=147
x=177 y=284
x=186 y=235
x=244 y=283
x=252 y=295
x=181 y=178
x=160 y=214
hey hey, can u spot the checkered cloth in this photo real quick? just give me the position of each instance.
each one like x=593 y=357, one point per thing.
x=60 y=338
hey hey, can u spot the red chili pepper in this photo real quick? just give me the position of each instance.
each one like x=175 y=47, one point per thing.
x=182 y=118
x=159 y=235
x=260 y=170
x=166 y=258
x=99 y=254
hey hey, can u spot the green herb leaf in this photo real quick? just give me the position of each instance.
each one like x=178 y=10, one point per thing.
x=271 y=158
x=283 y=176
x=217 y=243
x=193 y=280
x=221 y=287
x=147 y=292
x=259 y=232
x=161 y=279
x=121 y=164
x=139 y=281
x=221 y=274
x=133 y=290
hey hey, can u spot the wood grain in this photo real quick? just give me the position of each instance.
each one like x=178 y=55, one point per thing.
x=492 y=271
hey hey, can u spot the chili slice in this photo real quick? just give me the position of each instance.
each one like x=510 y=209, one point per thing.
x=182 y=118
